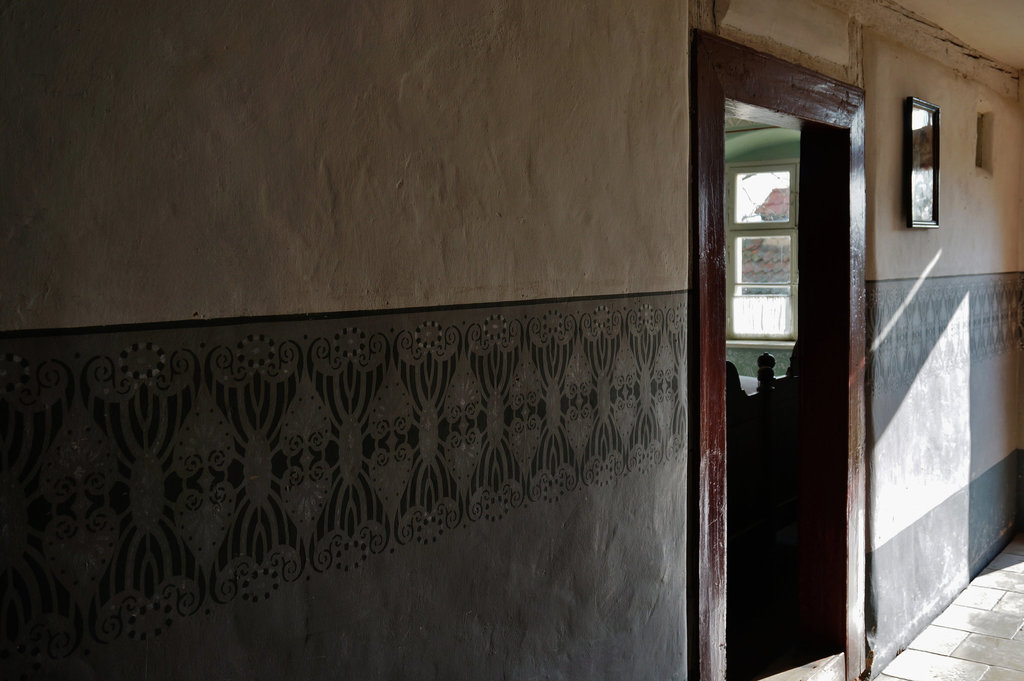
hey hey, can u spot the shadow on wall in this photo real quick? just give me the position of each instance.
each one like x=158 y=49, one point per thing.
x=942 y=488
x=151 y=476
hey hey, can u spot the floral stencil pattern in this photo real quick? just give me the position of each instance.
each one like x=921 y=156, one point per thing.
x=905 y=319
x=147 y=475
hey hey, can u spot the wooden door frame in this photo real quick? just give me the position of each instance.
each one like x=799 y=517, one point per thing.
x=723 y=74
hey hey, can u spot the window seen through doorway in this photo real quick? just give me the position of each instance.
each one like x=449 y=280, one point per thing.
x=761 y=250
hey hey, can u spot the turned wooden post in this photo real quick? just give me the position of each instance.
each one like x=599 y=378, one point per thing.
x=765 y=373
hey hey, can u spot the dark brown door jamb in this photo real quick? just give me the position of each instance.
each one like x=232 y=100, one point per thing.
x=727 y=76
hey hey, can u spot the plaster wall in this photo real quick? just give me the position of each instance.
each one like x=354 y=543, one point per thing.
x=193 y=161
x=943 y=346
x=979 y=209
x=809 y=27
x=1020 y=196
x=1020 y=266
x=943 y=408
x=476 y=493
x=480 y=491
x=485 y=618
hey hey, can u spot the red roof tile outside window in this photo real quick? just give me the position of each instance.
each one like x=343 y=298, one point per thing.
x=776 y=207
x=765 y=260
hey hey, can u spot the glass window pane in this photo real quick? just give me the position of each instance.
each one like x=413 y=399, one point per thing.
x=762 y=197
x=760 y=316
x=764 y=259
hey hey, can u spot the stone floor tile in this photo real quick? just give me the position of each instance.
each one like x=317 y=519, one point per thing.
x=1016 y=546
x=939 y=640
x=999 y=624
x=1001 y=674
x=991 y=650
x=1005 y=561
x=1002 y=579
x=979 y=597
x=916 y=665
x=831 y=667
x=1012 y=603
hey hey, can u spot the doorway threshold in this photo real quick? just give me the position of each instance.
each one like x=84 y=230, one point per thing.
x=830 y=668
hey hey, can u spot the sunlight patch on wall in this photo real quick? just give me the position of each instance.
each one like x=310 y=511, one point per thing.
x=906 y=302
x=923 y=456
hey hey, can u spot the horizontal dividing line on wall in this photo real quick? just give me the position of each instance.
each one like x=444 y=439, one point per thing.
x=317 y=316
x=944 y=277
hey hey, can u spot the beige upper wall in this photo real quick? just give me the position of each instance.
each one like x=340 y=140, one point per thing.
x=243 y=159
x=979 y=210
x=1020 y=194
x=799 y=31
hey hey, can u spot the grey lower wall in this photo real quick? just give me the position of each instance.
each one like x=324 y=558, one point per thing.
x=482 y=492
x=1020 y=488
x=992 y=512
x=943 y=356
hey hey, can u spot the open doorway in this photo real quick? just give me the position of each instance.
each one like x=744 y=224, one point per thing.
x=762 y=248
x=825 y=570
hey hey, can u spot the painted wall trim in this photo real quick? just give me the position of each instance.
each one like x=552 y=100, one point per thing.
x=907 y=317
x=152 y=474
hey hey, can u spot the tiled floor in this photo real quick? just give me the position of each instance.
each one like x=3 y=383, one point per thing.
x=979 y=637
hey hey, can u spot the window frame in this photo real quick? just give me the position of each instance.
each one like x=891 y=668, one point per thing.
x=735 y=230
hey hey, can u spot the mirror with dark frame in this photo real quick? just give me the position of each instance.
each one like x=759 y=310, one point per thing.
x=921 y=161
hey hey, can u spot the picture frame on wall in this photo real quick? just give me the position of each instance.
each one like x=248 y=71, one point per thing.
x=921 y=163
